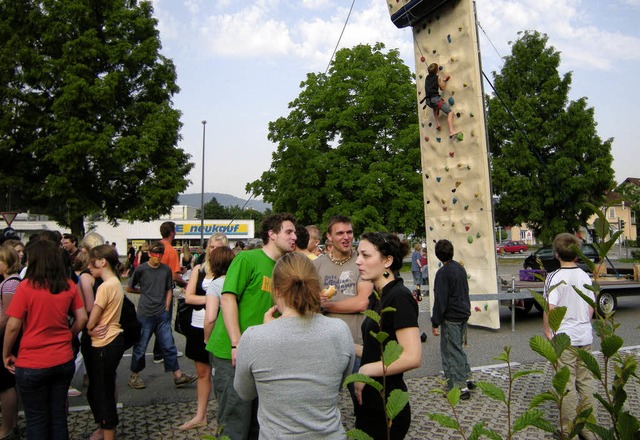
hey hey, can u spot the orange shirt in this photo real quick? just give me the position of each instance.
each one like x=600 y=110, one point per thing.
x=170 y=257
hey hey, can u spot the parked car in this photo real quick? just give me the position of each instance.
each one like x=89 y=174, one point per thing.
x=511 y=247
x=549 y=262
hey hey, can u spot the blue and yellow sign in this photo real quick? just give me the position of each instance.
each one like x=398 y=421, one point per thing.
x=193 y=229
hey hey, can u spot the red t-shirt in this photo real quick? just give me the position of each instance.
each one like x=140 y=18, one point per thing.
x=46 y=338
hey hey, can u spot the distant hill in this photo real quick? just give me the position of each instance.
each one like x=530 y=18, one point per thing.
x=226 y=200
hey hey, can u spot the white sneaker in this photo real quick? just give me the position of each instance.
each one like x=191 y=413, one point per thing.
x=180 y=354
x=159 y=361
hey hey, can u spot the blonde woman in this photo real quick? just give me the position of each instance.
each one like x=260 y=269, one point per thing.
x=295 y=395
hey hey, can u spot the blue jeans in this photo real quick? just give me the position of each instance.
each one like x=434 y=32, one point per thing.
x=159 y=325
x=44 y=396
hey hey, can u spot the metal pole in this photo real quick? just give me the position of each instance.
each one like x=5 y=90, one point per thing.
x=204 y=127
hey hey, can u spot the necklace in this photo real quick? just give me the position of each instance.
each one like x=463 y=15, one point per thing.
x=340 y=262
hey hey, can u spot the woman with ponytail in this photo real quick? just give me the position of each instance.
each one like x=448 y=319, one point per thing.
x=107 y=343
x=279 y=361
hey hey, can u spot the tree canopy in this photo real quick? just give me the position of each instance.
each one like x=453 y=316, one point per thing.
x=86 y=118
x=549 y=164
x=214 y=210
x=350 y=145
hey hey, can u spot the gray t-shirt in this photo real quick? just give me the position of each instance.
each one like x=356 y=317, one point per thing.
x=296 y=367
x=153 y=284
x=345 y=278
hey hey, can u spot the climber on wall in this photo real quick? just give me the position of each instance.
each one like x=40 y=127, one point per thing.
x=432 y=86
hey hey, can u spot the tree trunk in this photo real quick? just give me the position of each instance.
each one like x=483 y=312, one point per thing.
x=77 y=227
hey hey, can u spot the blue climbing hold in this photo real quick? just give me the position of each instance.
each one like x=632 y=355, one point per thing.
x=451 y=100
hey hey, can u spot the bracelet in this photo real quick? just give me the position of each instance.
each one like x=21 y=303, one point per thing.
x=234 y=346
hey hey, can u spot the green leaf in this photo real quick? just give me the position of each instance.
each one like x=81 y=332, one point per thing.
x=392 y=352
x=560 y=342
x=532 y=417
x=601 y=431
x=543 y=347
x=610 y=345
x=358 y=435
x=522 y=373
x=560 y=380
x=396 y=401
x=381 y=336
x=453 y=396
x=387 y=310
x=444 y=420
x=492 y=391
x=357 y=377
x=539 y=298
x=373 y=315
x=555 y=317
x=545 y=396
x=627 y=426
x=590 y=362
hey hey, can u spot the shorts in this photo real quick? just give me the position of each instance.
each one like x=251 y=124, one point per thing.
x=417 y=277
x=195 y=347
x=444 y=107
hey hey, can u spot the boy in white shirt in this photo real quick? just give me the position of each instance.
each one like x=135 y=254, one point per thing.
x=576 y=324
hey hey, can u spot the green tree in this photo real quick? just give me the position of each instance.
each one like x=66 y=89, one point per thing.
x=350 y=145
x=545 y=168
x=86 y=118
x=214 y=210
x=630 y=192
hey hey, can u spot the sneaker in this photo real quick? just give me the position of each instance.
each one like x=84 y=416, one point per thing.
x=184 y=380
x=465 y=395
x=72 y=392
x=471 y=385
x=158 y=360
x=136 y=382
x=180 y=354
x=423 y=337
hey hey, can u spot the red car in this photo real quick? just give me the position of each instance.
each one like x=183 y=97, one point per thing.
x=511 y=247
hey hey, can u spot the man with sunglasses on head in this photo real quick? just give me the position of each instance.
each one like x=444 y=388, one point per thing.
x=153 y=281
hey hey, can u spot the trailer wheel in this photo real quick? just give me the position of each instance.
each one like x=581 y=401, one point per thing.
x=607 y=303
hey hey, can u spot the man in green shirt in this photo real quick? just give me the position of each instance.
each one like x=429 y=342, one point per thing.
x=246 y=297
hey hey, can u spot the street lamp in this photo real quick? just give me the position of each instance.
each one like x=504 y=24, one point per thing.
x=204 y=129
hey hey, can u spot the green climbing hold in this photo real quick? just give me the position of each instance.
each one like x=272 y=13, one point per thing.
x=460 y=136
x=470 y=239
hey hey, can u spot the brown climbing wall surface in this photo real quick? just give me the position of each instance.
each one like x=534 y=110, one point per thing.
x=456 y=182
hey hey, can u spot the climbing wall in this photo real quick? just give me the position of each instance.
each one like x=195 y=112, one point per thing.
x=457 y=190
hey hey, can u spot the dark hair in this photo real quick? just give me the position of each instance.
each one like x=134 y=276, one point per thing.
x=72 y=238
x=219 y=260
x=167 y=228
x=10 y=257
x=108 y=253
x=302 y=237
x=338 y=219
x=297 y=282
x=157 y=247
x=432 y=69
x=566 y=245
x=389 y=245
x=45 y=269
x=274 y=223
x=444 y=250
x=53 y=236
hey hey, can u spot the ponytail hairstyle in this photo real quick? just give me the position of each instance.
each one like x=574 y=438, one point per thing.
x=109 y=254
x=296 y=281
x=389 y=245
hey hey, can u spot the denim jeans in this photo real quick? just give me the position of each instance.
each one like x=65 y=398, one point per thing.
x=159 y=325
x=44 y=396
x=454 y=359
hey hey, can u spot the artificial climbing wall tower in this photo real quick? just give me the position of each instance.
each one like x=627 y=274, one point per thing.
x=457 y=190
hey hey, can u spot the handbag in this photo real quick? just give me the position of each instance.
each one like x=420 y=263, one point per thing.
x=131 y=328
x=183 y=317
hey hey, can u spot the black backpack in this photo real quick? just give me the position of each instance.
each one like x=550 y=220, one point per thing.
x=131 y=327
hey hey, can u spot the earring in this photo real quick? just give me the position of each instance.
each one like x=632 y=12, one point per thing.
x=386 y=274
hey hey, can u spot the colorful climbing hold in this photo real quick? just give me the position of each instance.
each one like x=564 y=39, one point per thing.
x=466 y=207
x=470 y=239
x=422 y=59
x=452 y=153
x=451 y=101
x=458 y=114
x=478 y=235
x=477 y=309
x=438 y=139
x=453 y=190
x=446 y=169
x=460 y=136
x=486 y=307
x=467 y=227
x=455 y=200
x=438 y=179
x=458 y=183
x=449 y=38
x=426 y=138
x=443 y=201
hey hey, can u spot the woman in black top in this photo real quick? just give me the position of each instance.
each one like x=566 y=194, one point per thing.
x=379 y=257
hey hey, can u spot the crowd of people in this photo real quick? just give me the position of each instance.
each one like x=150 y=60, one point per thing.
x=261 y=322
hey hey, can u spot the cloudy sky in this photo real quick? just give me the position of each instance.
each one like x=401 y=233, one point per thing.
x=240 y=63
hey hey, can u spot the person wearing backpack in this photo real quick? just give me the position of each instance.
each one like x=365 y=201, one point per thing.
x=107 y=341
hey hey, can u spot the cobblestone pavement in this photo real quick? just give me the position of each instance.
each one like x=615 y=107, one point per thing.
x=160 y=421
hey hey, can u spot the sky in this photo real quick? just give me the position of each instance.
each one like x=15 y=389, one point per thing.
x=240 y=63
